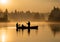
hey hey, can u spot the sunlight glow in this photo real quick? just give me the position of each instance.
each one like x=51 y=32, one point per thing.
x=3 y=37
x=3 y=1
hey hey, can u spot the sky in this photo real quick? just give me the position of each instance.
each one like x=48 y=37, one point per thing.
x=32 y=5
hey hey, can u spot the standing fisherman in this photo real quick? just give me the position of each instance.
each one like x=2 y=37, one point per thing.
x=28 y=27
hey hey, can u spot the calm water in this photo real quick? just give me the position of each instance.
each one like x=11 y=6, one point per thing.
x=8 y=33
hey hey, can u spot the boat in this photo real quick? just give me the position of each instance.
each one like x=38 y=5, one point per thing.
x=25 y=27
x=18 y=27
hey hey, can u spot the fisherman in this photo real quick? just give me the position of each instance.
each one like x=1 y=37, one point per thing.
x=28 y=24
x=22 y=25
x=17 y=26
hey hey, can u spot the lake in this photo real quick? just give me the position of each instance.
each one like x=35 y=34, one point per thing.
x=44 y=33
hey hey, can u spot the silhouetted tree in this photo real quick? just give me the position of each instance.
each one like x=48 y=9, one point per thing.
x=6 y=15
x=12 y=12
x=15 y=11
x=37 y=16
x=54 y=15
x=1 y=11
x=21 y=12
x=28 y=12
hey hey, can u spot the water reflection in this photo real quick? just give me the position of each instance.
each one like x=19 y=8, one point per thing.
x=3 y=37
x=10 y=34
x=55 y=28
x=22 y=30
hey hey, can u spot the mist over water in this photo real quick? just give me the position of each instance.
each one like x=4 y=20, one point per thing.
x=43 y=34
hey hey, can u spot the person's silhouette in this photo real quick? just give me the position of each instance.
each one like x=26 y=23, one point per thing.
x=22 y=25
x=17 y=26
x=28 y=27
x=28 y=23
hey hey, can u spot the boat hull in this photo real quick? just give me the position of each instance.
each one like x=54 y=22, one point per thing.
x=24 y=27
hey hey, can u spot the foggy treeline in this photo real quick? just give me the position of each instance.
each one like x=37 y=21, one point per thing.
x=23 y=16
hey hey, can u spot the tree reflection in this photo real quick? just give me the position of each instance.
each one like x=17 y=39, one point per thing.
x=55 y=28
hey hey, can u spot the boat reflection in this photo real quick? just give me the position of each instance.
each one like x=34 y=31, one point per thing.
x=27 y=29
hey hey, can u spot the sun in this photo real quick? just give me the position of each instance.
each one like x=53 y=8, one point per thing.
x=3 y=1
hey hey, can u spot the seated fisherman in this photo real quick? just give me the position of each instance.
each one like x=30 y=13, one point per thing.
x=22 y=25
x=17 y=25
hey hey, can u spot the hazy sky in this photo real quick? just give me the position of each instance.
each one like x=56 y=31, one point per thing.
x=32 y=5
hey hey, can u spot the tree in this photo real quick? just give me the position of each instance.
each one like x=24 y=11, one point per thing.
x=54 y=15
x=6 y=15
x=37 y=16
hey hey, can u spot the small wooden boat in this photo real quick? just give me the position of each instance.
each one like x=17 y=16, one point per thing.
x=18 y=27
x=25 y=27
x=32 y=27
